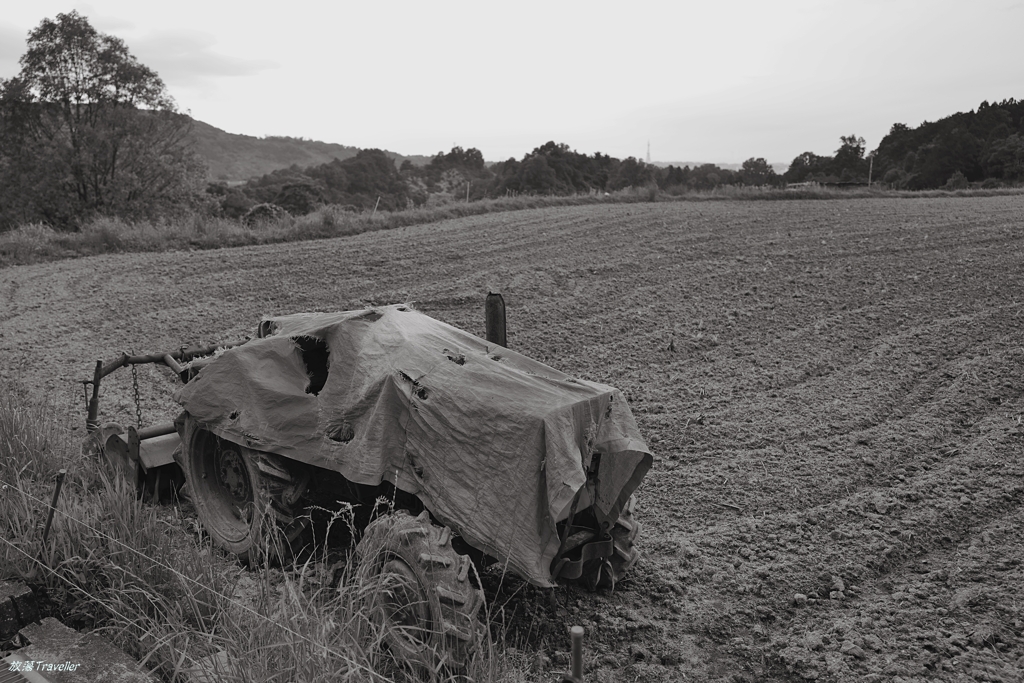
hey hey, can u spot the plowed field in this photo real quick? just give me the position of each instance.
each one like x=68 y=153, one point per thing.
x=834 y=391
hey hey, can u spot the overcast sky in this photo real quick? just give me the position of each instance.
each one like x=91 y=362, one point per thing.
x=701 y=81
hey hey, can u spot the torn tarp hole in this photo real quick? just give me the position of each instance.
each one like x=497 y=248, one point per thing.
x=372 y=315
x=457 y=358
x=234 y=415
x=315 y=357
x=343 y=433
x=419 y=391
x=267 y=328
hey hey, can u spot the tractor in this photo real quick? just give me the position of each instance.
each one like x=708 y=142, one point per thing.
x=484 y=455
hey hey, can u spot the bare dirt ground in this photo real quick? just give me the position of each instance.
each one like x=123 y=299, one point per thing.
x=834 y=392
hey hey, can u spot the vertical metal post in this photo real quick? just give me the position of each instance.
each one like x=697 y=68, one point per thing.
x=53 y=505
x=494 y=315
x=92 y=414
x=576 y=673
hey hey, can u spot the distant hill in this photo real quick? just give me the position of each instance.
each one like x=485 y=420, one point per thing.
x=236 y=158
x=779 y=167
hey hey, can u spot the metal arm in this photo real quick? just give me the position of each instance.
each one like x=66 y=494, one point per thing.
x=172 y=360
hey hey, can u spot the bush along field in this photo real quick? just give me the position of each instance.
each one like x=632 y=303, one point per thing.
x=833 y=391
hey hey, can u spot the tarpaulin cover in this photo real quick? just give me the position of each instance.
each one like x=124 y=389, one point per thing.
x=493 y=443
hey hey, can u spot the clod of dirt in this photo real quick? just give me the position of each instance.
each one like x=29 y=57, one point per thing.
x=851 y=649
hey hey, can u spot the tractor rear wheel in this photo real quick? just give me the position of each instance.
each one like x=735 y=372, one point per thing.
x=244 y=499
x=419 y=592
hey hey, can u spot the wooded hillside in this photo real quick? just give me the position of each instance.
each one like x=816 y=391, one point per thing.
x=236 y=158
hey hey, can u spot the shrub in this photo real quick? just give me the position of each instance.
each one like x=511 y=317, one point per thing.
x=651 y=189
x=104 y=234
x=298 y=199
x=26 y=242
x=957 y=181
x=263 y=213
x=235 y=204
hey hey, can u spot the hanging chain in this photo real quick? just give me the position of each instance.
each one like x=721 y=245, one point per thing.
x=135 y=386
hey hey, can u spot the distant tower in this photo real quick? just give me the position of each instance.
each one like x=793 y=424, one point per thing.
x=648 y=151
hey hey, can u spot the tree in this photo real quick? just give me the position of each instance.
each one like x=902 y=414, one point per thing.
x=298 y=199
x=461 y=159
x=1005 y=159
x=367 y=180
x=979 y=144
x=952 y=151
x=673 y=176
x=92 y=130
x=450 y=173
x=758 y=172
x=631 y=172
x=852 y=147
x=806 y=167
x=849 y=162
x=710 y=176
x=507 y=177
x=536 y=175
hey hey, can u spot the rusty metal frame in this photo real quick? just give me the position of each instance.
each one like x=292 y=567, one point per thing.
x=172 y=359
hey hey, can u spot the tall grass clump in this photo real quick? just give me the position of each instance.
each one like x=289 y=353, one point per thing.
x=29 y=243
x=31 y=444
x=109 y=561
x=146 y=577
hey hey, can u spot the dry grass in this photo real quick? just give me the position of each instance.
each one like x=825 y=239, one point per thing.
x=145 y=577
x=37 y=243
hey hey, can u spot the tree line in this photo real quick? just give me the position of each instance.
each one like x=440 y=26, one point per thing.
x=983 y=146
x=86 y=130
x=371 y=181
